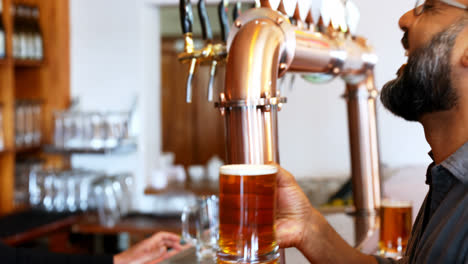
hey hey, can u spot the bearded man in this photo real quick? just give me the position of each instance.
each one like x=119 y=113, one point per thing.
x=431 y=89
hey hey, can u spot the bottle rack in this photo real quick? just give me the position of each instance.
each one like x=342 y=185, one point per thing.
x=32 y=79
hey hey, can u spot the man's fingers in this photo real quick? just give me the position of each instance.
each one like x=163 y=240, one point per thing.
x=164 y=236
x=285 y=178
x=172 y=244
x=167 y=235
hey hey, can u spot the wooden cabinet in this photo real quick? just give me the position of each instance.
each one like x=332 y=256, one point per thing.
x=195 y=131
x=47 y=80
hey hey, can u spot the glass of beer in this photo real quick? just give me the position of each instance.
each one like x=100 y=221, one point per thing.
x=395 y=227
x=247 y=203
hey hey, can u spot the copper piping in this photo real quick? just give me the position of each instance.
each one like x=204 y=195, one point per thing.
x=363 y=145
x=263 y=45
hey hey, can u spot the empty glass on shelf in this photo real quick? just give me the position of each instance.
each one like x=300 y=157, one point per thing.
x=75 y=190
x=24 y=166
x=28 y=123
x=90 y=130
x=113 y=197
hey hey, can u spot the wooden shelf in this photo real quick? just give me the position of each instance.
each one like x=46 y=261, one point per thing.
x=5 y=61
x=5 y=151
x=133 y=223
x=47 y=80
x=41 y=223
x=28 y=63
x=22 y=150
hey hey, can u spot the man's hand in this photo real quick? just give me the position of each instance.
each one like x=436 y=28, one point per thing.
x=149 y=249
x=293 y=211
x=299 y=225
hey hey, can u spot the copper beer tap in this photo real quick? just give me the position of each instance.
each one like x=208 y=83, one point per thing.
x=264 y=45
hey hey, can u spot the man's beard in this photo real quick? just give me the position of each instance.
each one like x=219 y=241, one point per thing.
x=425 y=84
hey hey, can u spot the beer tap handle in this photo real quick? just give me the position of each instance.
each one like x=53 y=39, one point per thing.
x=205 y=21
x=310 y=21
x=223 y=20
x=281 y=8
x=296 y=18
x=352 y=16
x=257 y=4
x=208 y=37
x=303 y=7
x=237 y=10
x=186 y=16
x=186 y=19
x=289 y=7
x=338 y=17
x=315 y=10
x=273 y=4
x=326 y=13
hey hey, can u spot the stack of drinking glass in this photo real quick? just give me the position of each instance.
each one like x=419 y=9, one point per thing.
x=76 y=130
x=28 y=123
x=79 y=190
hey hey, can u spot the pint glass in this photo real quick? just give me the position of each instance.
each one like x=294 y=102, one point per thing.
x=247 y=202
x=395 y=227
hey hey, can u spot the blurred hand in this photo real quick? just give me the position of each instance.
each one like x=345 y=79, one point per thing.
x=149 y=249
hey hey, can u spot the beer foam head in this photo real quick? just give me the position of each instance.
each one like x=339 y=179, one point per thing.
x=248 y=169
x=395 y=203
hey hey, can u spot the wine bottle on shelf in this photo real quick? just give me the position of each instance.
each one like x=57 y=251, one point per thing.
x=15 y=37
x=23 y=36
x=38 y=38
x=2 y=34
x=16 y=31
x=29 y=32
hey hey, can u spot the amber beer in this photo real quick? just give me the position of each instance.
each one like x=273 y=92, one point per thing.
x=395 y=227
x=247 y=201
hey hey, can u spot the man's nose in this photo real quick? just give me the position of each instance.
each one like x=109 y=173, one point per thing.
x=406 y=20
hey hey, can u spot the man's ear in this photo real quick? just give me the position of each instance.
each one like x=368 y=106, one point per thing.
x=464 y=58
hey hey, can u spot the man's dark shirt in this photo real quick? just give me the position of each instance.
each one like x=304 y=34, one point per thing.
x=440 y=232
x=25 y=256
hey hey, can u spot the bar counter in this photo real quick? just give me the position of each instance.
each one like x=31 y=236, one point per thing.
x=29 y=225
x=342 y=222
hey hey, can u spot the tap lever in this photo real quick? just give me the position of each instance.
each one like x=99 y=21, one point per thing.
x=205 y=21
x=310 y=21
x=223 y=19
x=186 y=16
x=186 y=19
x=237 y=11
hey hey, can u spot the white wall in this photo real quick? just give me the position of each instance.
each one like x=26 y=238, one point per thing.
x=114 y=57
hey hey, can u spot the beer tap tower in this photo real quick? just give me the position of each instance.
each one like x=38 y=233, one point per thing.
x=263 y=45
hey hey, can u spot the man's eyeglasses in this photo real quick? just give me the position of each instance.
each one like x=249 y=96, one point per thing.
x=421 y=5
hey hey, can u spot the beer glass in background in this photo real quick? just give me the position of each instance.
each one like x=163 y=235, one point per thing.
x=204 y=215
x=247 y=203
x=395 y=227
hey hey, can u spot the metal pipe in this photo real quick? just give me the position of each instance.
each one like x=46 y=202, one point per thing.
x=365 y=165
x=251 y=126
